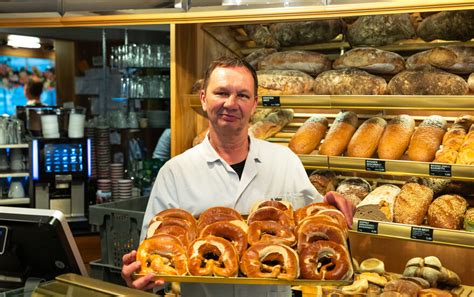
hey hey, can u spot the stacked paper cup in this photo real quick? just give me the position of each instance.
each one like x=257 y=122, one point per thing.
x=49 y=126
x=124 y=189
x=102 y=140
x=116 y=174
x=76 y=124
x=103 y=190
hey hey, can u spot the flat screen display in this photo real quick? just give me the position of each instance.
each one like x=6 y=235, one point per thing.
x=63 y=157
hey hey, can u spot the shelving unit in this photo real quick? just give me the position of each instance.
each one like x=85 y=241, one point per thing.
x=13 y=174
x=14 y=146
x=14 y=201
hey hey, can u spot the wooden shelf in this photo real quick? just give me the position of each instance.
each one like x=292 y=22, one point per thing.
x=14 y=174
x=14 y=201
x=412 y=232
x=14 y=146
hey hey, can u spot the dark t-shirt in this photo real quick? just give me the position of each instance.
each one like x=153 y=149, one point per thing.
x=239 y=168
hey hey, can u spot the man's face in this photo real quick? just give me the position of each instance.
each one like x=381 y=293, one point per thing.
x=229 y=98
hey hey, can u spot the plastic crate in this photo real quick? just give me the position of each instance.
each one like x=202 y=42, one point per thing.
x=120 y=223
x=105 y=272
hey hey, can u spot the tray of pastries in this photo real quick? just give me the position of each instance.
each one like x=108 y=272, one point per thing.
x=275 y=244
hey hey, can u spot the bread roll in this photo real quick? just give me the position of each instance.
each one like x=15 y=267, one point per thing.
x=371 y=60
x=469 y=220
x=271 y=124
x=284 y=82
x=349 y=82
x=411 y=204
x=378 y=205
x=365 y=140
x=447 y=211
x=339 y=134
x=307 y=32
x=312 y=63
x=323 y=180
x=447 y=25
x=427 y=82
x=396 y=137
x=454 y=59
x=256 y=56
x=309 y=135
x=380 y=29
x=426 y=139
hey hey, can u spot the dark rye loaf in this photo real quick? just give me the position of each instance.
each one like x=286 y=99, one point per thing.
x=300 y=33
x=447 y=25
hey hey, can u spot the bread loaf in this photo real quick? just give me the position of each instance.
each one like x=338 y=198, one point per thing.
x=469 y=220
x=256 y=56
x=378 y=205
x=323 y=180
x=371 y=60
x=437 y=185
x=419 y=61
x=309 y=135
x=426 y=139
x=405 y=287
x=271 y=124
x=308 y=32
x=365 y=140
x=261 y=35
x=396 y=137
x=349 y=82
x=411 y=204
x=447 y=211
x=447 y=25
x=452 y=141
x=468 y=142
x=454 y=59
x=354 y=189
x=311 y=63
x=466 y=152
x=427 y=82
x=380 y=29
x=284 y=82
x=339 y=134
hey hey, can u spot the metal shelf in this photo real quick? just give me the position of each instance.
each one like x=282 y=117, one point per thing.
x=368 y=102
x=416 y=233
x=13 y=146
x=14 y=174
x=14 y=201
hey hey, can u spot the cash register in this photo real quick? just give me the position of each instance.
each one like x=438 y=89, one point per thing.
x=60 y=169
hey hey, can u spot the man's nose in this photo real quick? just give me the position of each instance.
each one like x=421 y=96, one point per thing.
x=231 y=101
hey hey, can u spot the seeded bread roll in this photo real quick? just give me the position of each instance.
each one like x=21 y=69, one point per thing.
x=308 y=136
x=447 y=25
x=447 y=211
x=426 y=139
x=311 y=63
x=411 y=204
x=427 y=82
x=349 y=82
x=339 y=134
x=371 y=60
x=365 y=140
x=378 y=205
x=284 y=82
x=396 y=137
x=469 y=220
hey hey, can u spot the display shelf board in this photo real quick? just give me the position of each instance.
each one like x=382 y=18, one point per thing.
x=13 y=146
x=314 y=161
x=14 y=201
x=412 y=232
x=13 y=174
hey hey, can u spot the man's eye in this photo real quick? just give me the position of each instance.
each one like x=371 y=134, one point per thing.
x=222 y=94
x=244 y=96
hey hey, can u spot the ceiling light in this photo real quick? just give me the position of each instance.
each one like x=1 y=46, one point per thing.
x=23 y=41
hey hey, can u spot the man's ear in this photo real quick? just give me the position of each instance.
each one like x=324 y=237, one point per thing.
x=202 y=97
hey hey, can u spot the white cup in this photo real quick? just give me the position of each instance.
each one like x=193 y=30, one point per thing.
x=76 y=125
x=17 y=165
x=16 y=190
x=50 y=126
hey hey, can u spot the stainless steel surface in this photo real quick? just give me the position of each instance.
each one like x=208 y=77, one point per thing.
x=63 y=205
x=41 y=195
x=77 y=199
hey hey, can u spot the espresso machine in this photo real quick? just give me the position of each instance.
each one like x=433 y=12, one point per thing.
x=60 y=169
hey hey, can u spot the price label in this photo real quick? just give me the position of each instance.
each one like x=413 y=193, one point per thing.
x=271 y=101
x=440 y=170
x=375 y=165
x=422 y=233
x=368 y=227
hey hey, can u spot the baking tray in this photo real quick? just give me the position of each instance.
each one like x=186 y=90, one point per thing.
x=248 y=280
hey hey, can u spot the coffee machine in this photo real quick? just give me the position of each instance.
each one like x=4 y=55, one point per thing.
x=60 y=169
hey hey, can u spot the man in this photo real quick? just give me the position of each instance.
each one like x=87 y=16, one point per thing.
x=33 y=92
x=228 y=168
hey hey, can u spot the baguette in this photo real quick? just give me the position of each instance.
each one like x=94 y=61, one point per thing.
x=309 y=135
x=412 y=203
x=371 y=60
x=312 y=63
x=447 y=211
x=426 y=139
x=366 y=139
x=339 y=134
x=396 y=137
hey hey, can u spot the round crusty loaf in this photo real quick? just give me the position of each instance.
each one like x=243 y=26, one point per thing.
x=323 y=180
x=309 y=135
x=339 y=134
x=365 y=140
x=427 y=82
x=349 y=82
x=396 y=137
x=371 y=60
x=447 y=211
x=426 y=139
x=312 y=63
x=411 y=204
x=284 y=82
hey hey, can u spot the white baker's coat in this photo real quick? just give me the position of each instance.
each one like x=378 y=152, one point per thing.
x=199 y=178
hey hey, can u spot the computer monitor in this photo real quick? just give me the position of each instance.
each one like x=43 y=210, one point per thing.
x=35 y=243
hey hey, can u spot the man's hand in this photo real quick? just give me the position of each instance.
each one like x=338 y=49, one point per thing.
x=131 y=265
x=341 y=203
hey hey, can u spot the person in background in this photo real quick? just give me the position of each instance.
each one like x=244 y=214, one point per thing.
x=33 y=92
x=229 y=168
x=163 y=146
